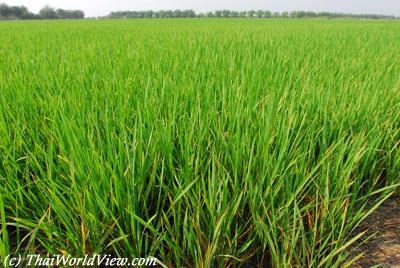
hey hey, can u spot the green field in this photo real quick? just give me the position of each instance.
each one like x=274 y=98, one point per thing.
x=204 y=142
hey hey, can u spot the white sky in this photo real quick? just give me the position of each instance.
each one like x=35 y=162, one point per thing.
x=103 y=7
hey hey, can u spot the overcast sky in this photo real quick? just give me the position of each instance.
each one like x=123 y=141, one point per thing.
x=103 y=7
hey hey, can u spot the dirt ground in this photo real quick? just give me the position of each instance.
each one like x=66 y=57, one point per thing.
x=383 y=249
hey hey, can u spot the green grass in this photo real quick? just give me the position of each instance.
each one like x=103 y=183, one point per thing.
x=204 y=143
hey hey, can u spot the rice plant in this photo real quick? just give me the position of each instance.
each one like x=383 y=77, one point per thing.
x=204 y=143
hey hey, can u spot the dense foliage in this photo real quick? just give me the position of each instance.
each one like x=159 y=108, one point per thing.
x=47 y=12
x=16 y=12
x=203 y=142
x=240 y=14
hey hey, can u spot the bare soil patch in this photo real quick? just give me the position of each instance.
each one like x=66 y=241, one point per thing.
x=383 y=249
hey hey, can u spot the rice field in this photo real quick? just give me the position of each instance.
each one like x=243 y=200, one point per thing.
x=201 y=142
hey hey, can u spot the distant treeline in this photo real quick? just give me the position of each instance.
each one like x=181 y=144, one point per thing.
x=47 y=12
x=240 y=14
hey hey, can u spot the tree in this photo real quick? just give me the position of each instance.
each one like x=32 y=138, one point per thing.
x=276 y=15
x=177 y=14
x=191 y=13
x=169 y=14
x=74 y=14
x=285 y=14
x=17 y=12
x=234 y=14
x=267 y=14
x=243 y=14
x=251 y=13
x=226 y=13
x=5 y=11
x=61 y=13
x=77 y=14
x=300 y=14
x=148 y=14
x=259 y=13
x=48 y=13
x=30 y=16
